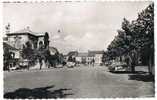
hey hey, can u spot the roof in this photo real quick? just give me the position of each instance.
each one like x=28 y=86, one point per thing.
x=96 y=52
x=92 y=53
x=82 y=54
x=26 y=31
x=72 y=53
x=53 y=49
x=9 y=47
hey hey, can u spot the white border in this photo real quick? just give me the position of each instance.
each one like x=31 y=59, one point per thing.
x=1 y=52
x=1 y=48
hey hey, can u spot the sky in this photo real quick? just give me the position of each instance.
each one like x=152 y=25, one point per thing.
x=83 y=25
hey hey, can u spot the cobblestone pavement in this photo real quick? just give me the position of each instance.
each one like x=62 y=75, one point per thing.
x=79 y=82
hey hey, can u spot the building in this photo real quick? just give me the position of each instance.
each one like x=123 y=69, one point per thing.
x=97 y=55
x=15 y=42
x=19 y=38
x=53 y=50
x=82 y=57
x=71 y=55
x=87 y=57
x=10 y=56
x=13 y=51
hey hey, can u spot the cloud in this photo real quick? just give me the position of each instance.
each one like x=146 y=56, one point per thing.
x=55 y=37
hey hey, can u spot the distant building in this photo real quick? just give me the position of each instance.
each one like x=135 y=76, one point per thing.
x=97 y=55
x=71 y=55
x=53 y=50
x=82 y=57
x=87 y=57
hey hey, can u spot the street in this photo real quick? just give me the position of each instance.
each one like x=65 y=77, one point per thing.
x=77 y=82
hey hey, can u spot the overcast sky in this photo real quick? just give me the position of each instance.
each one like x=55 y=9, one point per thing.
x=83 y=25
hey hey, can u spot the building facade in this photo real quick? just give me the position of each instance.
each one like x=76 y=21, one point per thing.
x=82 y=57
x=20 y=38
x=88 y=57
x=97 y=55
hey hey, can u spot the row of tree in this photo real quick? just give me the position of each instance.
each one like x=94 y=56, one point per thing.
x=136 y=35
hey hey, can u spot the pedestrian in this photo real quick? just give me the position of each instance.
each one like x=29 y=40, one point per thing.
x=40 y=62
x=130 y=60
x=47 y=62
x=127 y=60
x=93 y=61
x=133 y=61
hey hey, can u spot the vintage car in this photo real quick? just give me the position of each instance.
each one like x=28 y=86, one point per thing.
x=12 y=65
x=107 y=63
x=70 y=64
x=13 y=68
x=23 y=64
x=117 y=66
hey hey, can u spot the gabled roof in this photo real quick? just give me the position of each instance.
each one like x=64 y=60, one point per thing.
x=53 y=49
x=9 y=47
x=72 y=53
x=26 y=31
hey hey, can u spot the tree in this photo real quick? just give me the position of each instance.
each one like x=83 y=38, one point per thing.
x=46 y=39
x=146 y=23
x=6 y=58
x=28 y=52
x=137 y=36
x=70 y=58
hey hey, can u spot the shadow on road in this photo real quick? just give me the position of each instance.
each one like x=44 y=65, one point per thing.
x=142 y=77
x=137 y=75
x=37 y=93
x=129 y=72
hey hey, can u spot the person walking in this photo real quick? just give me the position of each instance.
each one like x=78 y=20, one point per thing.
x=130 y=61
x=93 y=61
x=40 y=62
x=133 y=61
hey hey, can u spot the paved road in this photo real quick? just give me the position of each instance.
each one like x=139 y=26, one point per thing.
x=81 y=82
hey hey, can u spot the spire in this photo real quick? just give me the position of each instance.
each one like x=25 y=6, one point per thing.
x=59 y=31
x=7 y=27
x=28 y=28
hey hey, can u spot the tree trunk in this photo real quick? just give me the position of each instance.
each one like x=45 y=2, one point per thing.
x=150 y=65
x=132 y=68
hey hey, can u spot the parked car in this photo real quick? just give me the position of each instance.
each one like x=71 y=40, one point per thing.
x=23 y=64
x=59 y=66
x=117 y=66
x=12 y=65
x=70 y=64
x=107 y=63
x=13 y=68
